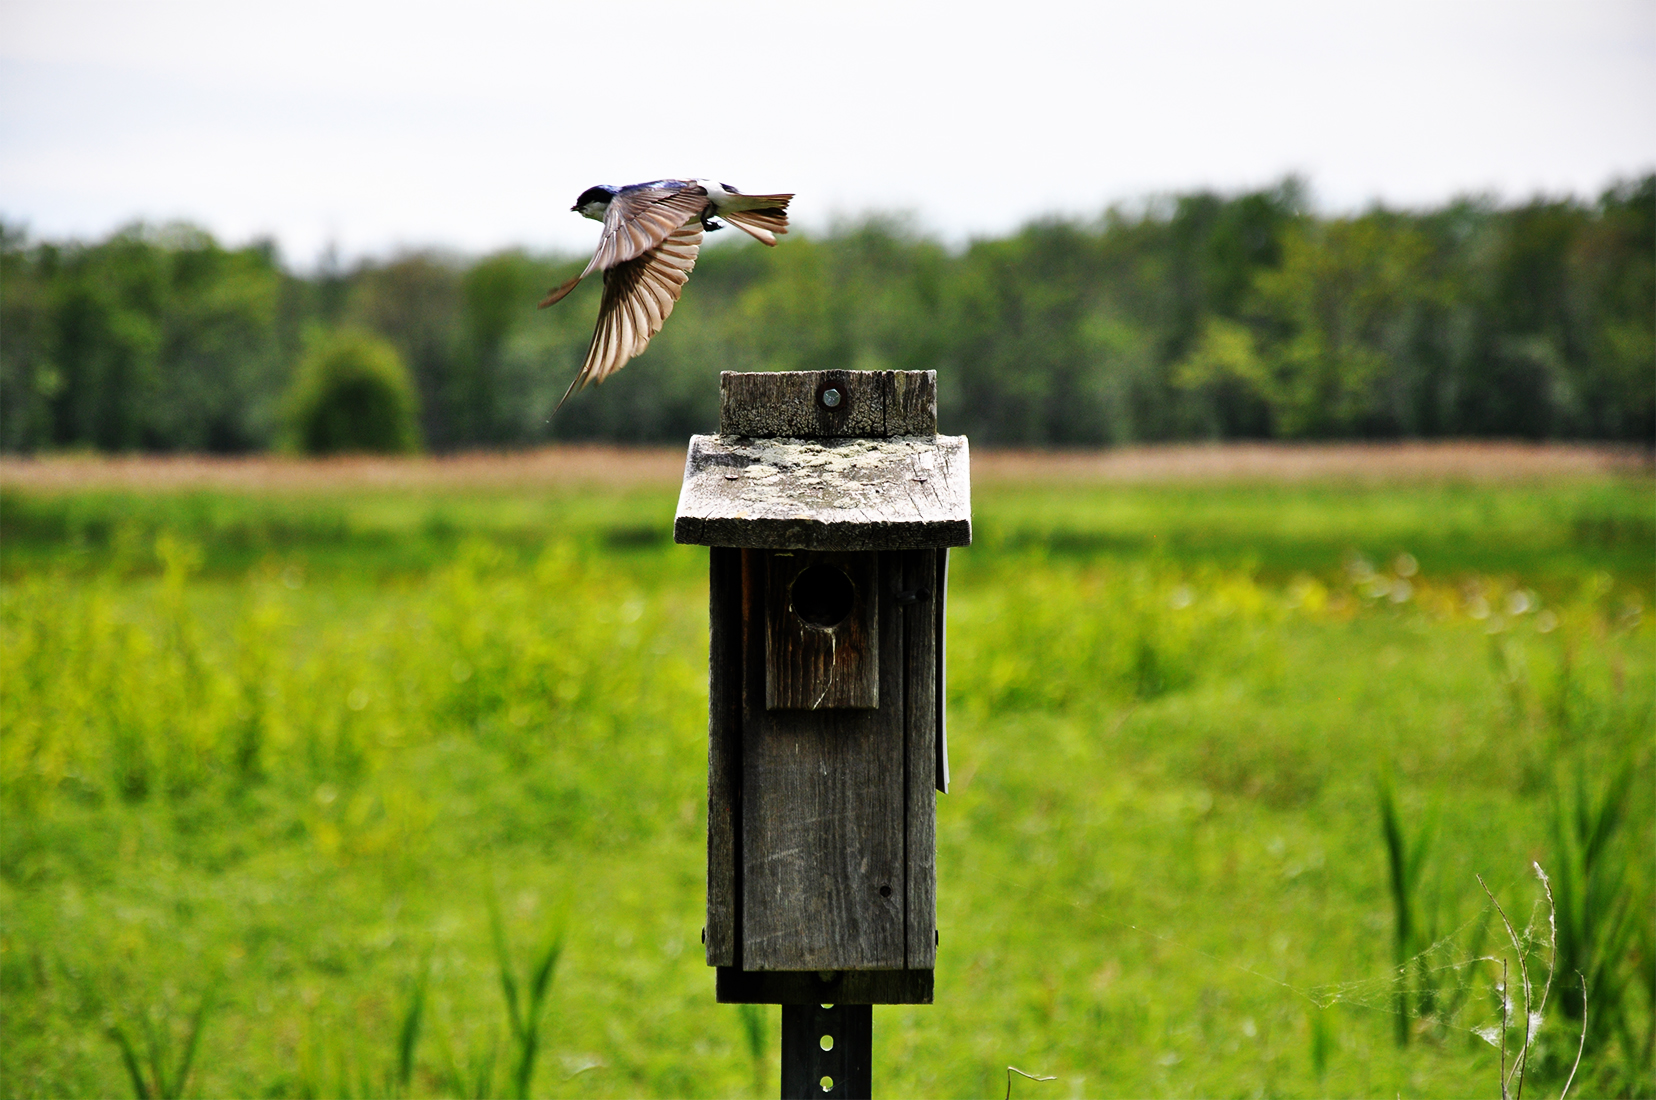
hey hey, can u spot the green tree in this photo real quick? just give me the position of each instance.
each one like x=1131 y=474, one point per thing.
x=353 y=393
x=1335 y=314
x=414 y=302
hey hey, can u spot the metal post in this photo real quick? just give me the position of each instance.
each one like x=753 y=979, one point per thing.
x=827 y=1052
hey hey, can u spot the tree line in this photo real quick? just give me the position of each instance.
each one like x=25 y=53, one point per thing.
x=1196 y=316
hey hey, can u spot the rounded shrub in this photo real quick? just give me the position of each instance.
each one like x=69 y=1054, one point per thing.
x=352 y=393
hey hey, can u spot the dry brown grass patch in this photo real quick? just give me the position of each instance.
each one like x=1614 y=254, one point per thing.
x=661 y=467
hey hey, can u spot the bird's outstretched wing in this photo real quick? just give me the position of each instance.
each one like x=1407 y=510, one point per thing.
x=638 y=219
x=639 y=294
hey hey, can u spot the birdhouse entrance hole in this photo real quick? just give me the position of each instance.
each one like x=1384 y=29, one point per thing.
x=822 y=596
x=822 y=628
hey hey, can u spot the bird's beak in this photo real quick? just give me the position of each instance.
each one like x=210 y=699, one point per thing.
x=577 y=206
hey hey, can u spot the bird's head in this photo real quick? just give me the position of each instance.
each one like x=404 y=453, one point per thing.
x=594 y=201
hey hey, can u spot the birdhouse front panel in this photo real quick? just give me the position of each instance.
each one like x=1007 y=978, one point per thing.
x=823 y=790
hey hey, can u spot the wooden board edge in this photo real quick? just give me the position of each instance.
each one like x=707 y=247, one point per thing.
x=783 y=987
x=724 y=756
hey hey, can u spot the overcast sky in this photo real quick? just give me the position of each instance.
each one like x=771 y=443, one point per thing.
x=376 y=125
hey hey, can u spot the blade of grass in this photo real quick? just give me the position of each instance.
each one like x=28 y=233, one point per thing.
x=129 y=1057
x=503 y=959
x=192 y=1041
x=408 y=1036
x=539 y=986
x=524 y=1006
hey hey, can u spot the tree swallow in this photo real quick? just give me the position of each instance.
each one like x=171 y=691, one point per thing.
x=652 y=232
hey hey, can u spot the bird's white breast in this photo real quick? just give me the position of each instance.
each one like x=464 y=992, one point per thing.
x=716 y=194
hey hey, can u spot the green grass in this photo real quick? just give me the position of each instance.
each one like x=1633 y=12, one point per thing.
x=277 y=754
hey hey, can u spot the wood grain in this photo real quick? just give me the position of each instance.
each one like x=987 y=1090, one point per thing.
x=873 y=404
x=864 y=494
x=815 y=668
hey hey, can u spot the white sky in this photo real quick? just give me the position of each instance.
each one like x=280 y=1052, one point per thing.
x=473 y=125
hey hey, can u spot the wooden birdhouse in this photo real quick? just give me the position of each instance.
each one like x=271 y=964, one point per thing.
x=829 y=502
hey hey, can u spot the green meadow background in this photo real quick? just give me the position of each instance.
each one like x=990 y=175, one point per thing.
x=275 y=769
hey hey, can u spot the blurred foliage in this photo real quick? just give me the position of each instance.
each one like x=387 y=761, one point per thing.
x=153 y=339
x=352 y=393
x=1196 y=316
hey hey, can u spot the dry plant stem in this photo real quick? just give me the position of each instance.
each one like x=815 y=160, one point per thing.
x=1506 y=1018
x=1552 y=933
x=1520 y=1059
x=1010 y=1070
x=1582 y=1045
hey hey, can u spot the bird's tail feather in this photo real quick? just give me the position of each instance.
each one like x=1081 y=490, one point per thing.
x=763 y=224
x=740 y=202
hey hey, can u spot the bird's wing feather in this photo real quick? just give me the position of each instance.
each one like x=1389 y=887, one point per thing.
x=557 y=293
x=639 y=295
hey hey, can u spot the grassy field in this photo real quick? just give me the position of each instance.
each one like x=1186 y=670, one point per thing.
x=272 y=755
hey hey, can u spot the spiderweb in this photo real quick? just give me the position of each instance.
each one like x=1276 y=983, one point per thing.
x=1482 y=975
x=1470 y=979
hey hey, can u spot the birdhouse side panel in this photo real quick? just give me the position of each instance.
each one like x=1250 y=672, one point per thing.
x=920 y=593
x=724 y=751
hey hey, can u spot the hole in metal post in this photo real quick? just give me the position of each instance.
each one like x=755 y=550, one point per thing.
x=827 y=1084
x=822 y=595
x=826 y=1042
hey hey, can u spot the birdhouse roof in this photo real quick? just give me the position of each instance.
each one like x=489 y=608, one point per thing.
x=837 y=481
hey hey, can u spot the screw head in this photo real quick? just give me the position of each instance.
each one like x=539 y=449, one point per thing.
x=831 y=398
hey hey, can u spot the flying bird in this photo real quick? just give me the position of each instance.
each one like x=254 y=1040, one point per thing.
x=652 y=232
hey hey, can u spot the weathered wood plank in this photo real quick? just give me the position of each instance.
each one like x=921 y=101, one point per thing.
x=871 y=404
x=724 y=740
x=821 y=626
x=822 y=819
x=865 y=494
x=920 y=596
x=911 y=408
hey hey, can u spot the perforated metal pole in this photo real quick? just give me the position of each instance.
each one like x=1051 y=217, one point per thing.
x=827 y=1053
